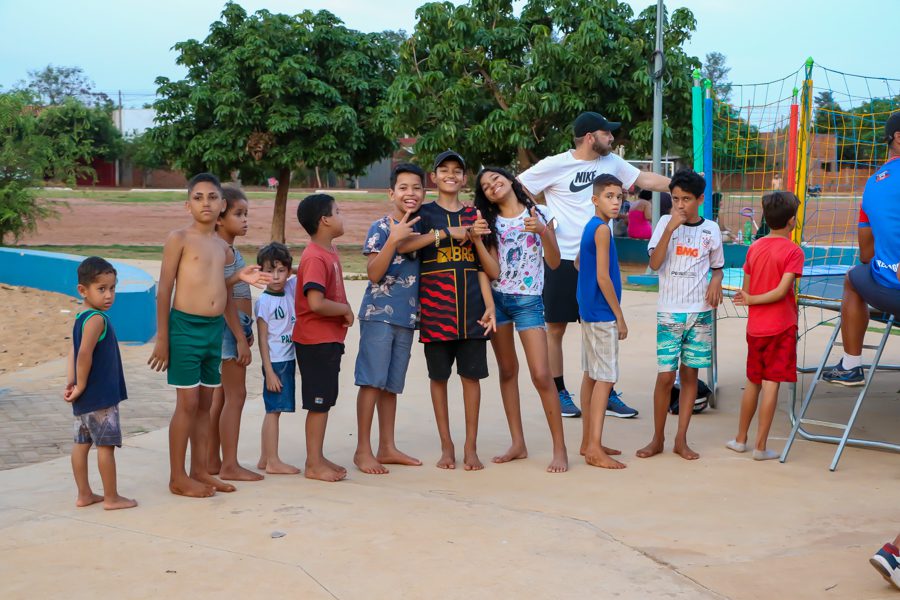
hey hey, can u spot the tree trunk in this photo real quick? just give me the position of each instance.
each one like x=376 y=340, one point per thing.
x=281 y=195
x=524 y=157
x=318 y=179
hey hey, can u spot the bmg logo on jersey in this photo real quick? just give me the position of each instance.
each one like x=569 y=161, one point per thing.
x=687 y=251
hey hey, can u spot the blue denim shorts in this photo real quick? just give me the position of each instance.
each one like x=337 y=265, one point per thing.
x=526 y=312
x=285 y=400
x=384 y=352
x=229 y=344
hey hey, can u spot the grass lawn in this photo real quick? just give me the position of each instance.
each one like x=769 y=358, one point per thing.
x=156 y=197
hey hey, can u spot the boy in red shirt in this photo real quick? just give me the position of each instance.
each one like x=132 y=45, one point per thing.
x=323 y=317
x=772 y=266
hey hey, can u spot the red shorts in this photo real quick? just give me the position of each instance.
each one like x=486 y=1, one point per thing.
x=772 y=357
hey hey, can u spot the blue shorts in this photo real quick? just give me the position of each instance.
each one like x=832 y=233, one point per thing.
x=229 y=343
x=683 y=337
x=283 y=401
x=525 y=311
x=383 y=358
x=882 y=298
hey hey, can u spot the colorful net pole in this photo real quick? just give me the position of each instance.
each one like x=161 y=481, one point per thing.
x=792 y=144
x=697 y=121
x=708 y=150
x=803 y=149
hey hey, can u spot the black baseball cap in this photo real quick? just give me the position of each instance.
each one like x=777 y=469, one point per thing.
x=587 y=122
x=891 y=127
x=447 y=155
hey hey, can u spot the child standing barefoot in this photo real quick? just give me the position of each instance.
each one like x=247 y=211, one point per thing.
x=522 y=240
x=275 y=318
x=189 y=332
x=96 y=385
x=228 y=400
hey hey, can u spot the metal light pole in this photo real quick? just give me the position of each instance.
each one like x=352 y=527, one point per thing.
x=658 y=102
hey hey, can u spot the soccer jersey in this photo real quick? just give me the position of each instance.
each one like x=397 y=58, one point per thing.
x=278 y=311
x=881 y=199
x=592 y=304
x=521 y=255
x=394 y=299
x=567 y=184
x=768 y=259
x=693 y=250
x=320 y=269
x=449 y=291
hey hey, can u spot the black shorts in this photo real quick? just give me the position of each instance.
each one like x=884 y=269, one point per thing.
x=885 y=299
x=470 y=357
x=560 y=289
x=320 y=366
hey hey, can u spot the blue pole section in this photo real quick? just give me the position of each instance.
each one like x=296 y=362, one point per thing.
x=708 y=150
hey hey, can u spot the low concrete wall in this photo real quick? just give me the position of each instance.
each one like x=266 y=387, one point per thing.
x=133 y=314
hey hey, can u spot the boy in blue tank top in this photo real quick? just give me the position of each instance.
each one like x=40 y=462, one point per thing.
x=599 y=295
x=95 y=384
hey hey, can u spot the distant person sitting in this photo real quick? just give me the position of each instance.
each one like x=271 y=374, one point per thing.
x=776 y=182
x=665 y=200
x=874 y=282
x=640 y=219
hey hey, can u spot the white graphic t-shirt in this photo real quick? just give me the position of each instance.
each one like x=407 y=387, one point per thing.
x=567 y=186
x=693 y=250
x=277 y=310
x=521 y=255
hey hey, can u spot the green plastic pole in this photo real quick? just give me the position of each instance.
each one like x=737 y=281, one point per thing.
x=697 y=121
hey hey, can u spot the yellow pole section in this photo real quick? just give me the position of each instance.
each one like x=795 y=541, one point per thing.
x=803 y=147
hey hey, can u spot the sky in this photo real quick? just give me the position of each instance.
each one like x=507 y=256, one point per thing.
x=123 y=45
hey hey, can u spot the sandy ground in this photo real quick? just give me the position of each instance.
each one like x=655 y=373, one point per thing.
x=36 y=326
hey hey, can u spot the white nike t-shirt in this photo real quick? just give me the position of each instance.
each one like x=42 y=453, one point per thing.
x=693 y=250
x=566 y=183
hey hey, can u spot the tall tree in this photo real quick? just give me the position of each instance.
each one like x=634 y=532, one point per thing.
x=52 y=85
x=33 y=148
x=266 y=92
x=715 y=70
x=501 y=88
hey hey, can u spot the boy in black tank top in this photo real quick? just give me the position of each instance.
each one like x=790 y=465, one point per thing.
x=95 y=385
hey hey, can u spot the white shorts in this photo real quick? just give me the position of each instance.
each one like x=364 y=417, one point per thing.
x=600 y=350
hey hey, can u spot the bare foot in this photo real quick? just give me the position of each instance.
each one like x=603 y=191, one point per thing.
x=118 y=503
x=214 y=465
x=515 y=452
x=651 y=449
x=323 y=472
x=471 y=462
x=191 y=488
x=335 y=466
x=83 y=501
x=599 y=458
x=685 y=452
x=609 y=451
x=560 y=462
x=392 y=456
x=217 y=484
x=448 y=458
x=261 y=464
x=239 y=474
x=279 y=468
x=366 y=463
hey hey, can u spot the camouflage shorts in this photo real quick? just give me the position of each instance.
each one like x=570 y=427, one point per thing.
x=684 y=337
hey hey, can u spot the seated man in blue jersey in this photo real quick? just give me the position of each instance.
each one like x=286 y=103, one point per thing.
x=875 y=282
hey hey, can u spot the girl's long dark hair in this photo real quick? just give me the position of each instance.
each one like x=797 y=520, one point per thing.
x=489 y=210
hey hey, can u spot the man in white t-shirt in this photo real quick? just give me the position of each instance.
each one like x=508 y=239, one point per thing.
x=566 y=181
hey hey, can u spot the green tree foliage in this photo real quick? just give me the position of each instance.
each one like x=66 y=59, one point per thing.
x=502 y=89
x=716 y=71
x=90 y=130
x=827 y=112
x=142 y=153
x=53 y=85
x=32 y=148
x=267 y=92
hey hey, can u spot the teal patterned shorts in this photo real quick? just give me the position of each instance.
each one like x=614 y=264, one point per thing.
x=683 y=336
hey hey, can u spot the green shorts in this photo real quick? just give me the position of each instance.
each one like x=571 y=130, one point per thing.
x=683 y=336
x=195 y=350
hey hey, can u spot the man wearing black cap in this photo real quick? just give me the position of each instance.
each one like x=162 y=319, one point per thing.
x=566 y=180
x=874 y=282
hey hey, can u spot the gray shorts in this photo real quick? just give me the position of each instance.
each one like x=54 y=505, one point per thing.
x=100 y=427
x=885 y=299
x=383 y=358
x=600 y=350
